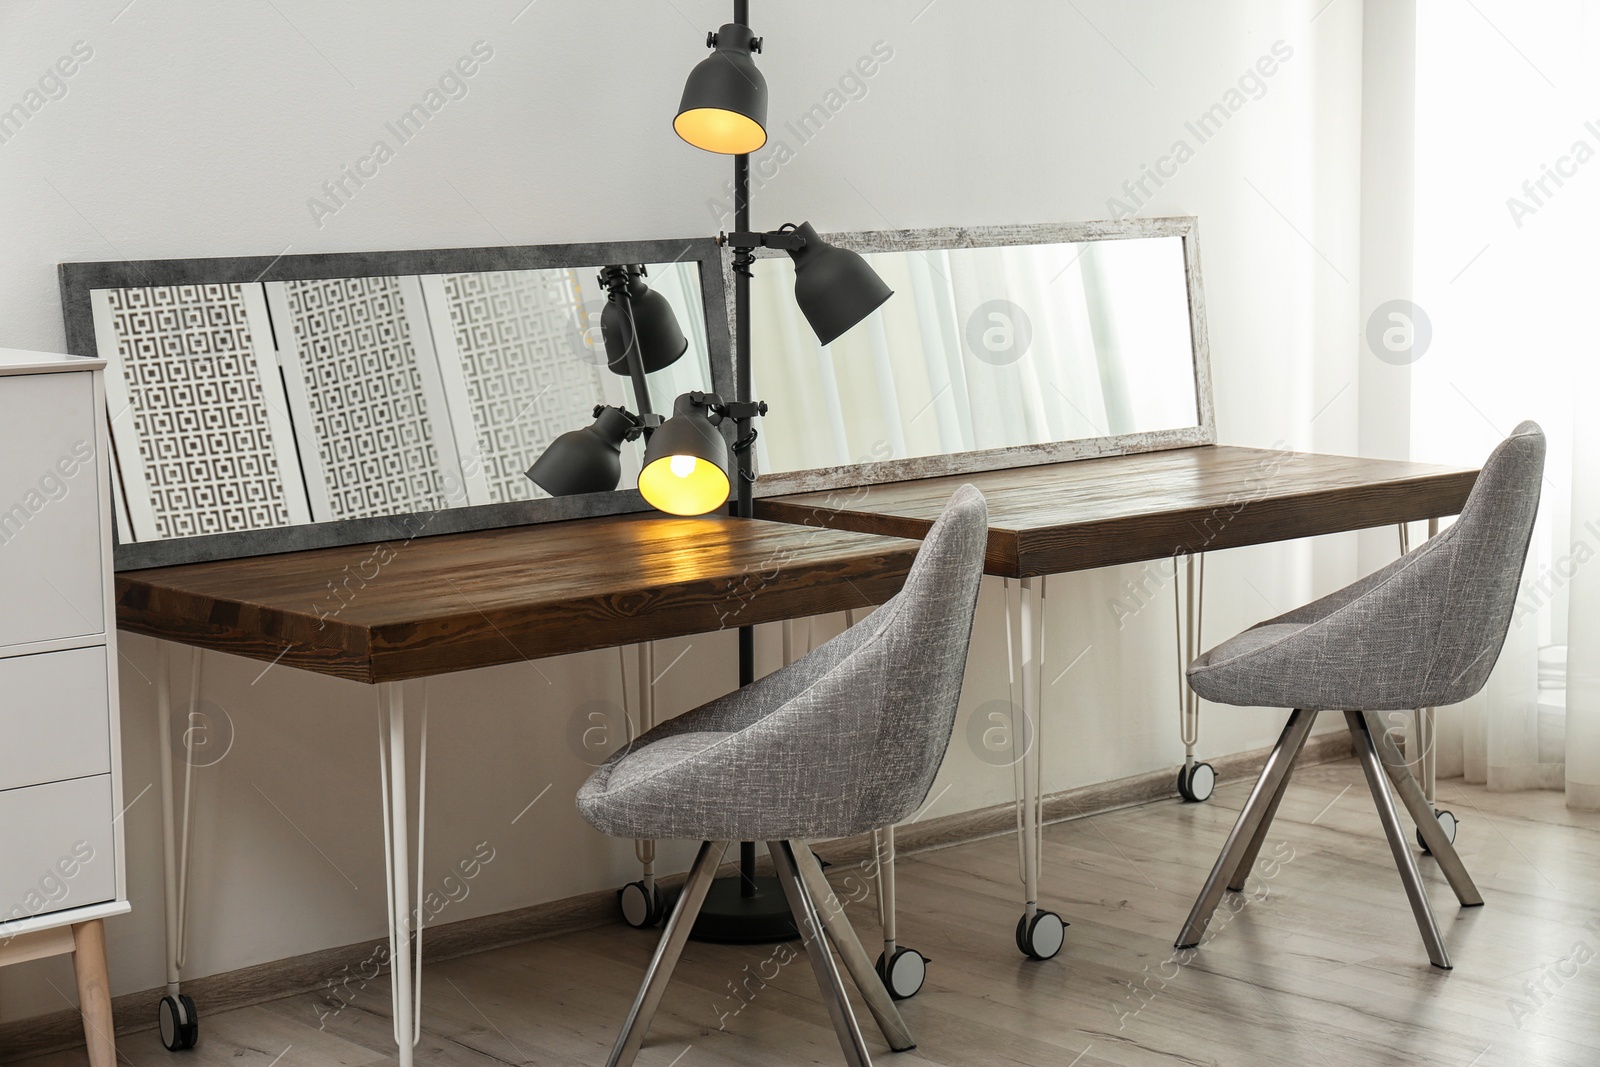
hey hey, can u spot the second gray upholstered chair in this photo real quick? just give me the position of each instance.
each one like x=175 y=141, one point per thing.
x=844 y=741
x=1426 y=630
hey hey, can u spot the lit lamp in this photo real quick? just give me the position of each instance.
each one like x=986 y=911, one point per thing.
x=724 y=106
x=686 y=467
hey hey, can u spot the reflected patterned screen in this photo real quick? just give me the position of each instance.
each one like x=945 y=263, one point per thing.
x=251 y=406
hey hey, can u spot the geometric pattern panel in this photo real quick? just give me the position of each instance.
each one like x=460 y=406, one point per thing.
x=201 y=422
x=529 y=376
x=371 y=422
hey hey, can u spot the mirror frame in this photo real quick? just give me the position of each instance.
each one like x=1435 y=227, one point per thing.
x=955 y=237
x=78 y=279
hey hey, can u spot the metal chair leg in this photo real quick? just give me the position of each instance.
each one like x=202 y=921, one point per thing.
x=1410 y=877
x=1244 y=831
x=822 y=965
x=1416 y=802
x=856 y=960
x=1248 y=860
x=701 y=875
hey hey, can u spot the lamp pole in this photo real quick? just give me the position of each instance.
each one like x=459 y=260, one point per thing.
x=744 y=497
x=759 y=913
x=724 y=110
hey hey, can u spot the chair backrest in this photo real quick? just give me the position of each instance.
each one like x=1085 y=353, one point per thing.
x=924 y=633
x=1486 y=548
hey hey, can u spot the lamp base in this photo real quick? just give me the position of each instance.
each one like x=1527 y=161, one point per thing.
x=728 y=917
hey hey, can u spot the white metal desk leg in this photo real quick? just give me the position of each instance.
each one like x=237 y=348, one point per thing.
x=1196 y=781
x=1040 y=933
x=1427 y=733
x=405 y=983
x=178 y=1021
x=641 y=902
x=1430 y=767
x=902 y=970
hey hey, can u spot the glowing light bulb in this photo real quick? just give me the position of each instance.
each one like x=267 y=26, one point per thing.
x=682 y=466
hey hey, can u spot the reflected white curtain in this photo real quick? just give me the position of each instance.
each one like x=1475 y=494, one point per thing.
x=980 y=348
x=1506 y=270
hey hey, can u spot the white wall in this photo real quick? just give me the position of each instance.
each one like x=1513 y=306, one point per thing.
x=203 y=130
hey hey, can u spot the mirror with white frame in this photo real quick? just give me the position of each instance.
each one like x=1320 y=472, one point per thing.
x=359 y=397
x=1002 y=347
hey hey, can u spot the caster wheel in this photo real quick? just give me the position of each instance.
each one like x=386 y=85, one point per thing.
x=904 y=973
x=1447 y=823
x=1042 y=938
x=180 y=1023
x=1197 y=786
x=641 y=908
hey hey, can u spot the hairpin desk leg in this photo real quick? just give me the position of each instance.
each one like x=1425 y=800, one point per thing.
x=1196 y=781
x=1040 y=934
x=641 y=902
x=177 y=1019
x=405 y=959
x=1426 y=735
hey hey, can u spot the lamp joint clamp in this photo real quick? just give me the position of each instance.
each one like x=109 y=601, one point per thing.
x=745 y=240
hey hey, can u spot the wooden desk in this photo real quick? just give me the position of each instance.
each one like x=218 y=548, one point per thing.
x=1090 y=513
x=408 y=609
x=1127 y=509
x=397 y=610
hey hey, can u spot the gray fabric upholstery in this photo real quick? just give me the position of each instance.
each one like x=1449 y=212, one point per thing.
x=845 y=740
x=1423 y=631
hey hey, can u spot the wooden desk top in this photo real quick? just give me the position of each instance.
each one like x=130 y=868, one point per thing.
x=396 y=610
x=1127 y=509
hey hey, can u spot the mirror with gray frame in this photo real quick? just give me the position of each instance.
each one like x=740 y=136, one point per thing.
x=1003 y=347
x=266 y=405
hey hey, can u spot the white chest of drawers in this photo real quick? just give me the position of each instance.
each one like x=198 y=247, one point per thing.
x=61 y=841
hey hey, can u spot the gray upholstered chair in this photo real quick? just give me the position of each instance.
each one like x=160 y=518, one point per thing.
x=1423 y=631
x=844 y=741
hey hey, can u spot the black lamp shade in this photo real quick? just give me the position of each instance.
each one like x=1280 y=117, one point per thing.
x=661 y=340
x=686 y=464
x=834 y=286
x=724 y=106
x=584 y=461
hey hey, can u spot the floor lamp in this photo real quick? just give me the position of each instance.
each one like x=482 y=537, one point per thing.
x=688 y=469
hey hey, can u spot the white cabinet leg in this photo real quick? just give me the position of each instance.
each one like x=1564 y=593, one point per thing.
x=405 y=959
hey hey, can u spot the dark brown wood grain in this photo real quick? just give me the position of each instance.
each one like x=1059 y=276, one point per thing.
x=1126 y=509
x=399 y=609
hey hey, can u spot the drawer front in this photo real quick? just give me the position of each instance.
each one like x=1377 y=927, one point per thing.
x=56 y=847
x=53 y=717
x=51 y=585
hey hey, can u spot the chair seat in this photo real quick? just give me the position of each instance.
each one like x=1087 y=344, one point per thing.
x=657 y=758
x=692 y=778
x=1299 y=664
x=1233 y=672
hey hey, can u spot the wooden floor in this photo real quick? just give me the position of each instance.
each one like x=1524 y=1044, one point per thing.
x=1319 y=962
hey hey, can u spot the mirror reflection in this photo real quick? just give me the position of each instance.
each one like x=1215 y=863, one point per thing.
x=981 y=348
x=250 y=406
